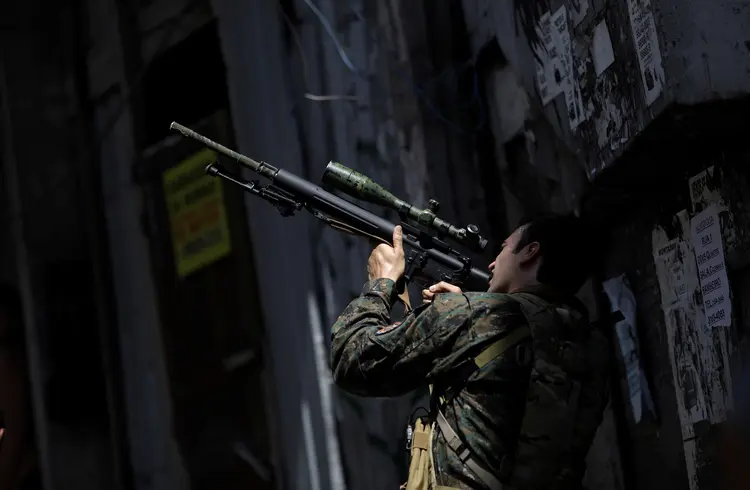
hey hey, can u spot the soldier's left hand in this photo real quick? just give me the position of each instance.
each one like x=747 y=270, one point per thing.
x=386 y=261
x=442 y=287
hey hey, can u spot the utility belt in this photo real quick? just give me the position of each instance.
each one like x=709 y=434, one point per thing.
x=420 y=434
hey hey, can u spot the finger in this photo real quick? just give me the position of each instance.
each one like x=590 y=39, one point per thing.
x=426 y=294
x=445 y=287
x=398 y=237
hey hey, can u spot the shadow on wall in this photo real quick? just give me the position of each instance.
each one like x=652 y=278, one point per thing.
x=734 y=438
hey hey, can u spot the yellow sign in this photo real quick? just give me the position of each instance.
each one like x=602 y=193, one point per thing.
x=195 y=203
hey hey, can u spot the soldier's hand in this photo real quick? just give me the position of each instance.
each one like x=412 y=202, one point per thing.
x=441 y=287
x=386 y=261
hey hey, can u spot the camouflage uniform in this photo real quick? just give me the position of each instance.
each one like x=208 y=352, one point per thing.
x=524 y=416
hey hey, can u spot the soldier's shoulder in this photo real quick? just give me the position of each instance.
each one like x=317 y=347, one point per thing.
x=494 y=300
x=478 y=303
x=450 y=302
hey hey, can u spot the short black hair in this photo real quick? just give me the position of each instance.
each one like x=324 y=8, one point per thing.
x=565 y=248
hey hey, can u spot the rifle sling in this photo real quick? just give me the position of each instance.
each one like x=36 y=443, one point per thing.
x=493 y=351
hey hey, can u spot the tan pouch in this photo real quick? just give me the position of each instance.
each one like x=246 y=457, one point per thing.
x=420 y=463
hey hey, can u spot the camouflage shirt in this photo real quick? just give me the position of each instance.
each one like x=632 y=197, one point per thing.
x=503 y=411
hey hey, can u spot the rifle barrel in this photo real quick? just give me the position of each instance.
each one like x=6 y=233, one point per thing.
x=262 y=168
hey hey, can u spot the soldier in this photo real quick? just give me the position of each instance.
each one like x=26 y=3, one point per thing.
x=517 y=374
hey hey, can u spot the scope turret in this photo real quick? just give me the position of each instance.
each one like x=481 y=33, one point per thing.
x=362 y=187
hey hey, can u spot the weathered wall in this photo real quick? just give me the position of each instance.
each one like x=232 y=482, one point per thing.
x=74 y=388
x=688 y=54
x=392 y=114
x=252 y=44
x=154 y=454
x=552 y=142
x=706 y=48
x=666 y=451
x=368 y=108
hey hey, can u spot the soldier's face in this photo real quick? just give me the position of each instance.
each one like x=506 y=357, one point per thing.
x=506 y=266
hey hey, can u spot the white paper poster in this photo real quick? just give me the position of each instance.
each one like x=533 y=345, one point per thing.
x=669 y=259
x=561 y=35
x=712 y=274
x=555 y=74
x=621 y=299
x=549 y=71
x=684 y=337
x=675 y=269
x=601 y=48
x=647 y=48
x=699 y=353
x=701 y=194
x=705 y=189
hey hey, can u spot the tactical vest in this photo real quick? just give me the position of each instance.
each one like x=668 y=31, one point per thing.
x=545 y=324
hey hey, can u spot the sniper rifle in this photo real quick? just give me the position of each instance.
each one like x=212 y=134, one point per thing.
x=429 y=258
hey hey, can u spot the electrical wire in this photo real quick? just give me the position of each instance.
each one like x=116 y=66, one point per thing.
x=305 y=71
x=421 y=94
x=174 y=23
x=327 y=26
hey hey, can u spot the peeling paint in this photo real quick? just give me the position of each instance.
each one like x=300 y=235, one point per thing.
x=604 y=62
x=609 y=123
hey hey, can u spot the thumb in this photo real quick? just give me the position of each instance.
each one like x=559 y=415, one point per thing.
x=398 y=236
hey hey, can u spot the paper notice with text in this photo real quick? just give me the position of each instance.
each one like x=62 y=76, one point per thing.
x=647 y=48
x=548 y=71
x=712 y=274
x=555 y=73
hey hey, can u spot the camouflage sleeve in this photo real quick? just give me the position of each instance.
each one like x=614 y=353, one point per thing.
x=373 y=356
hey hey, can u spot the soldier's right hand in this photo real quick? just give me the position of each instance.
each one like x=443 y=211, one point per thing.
x=442 y=287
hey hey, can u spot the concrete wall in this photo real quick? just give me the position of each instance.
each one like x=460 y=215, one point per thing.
x=155 y=457
x=265 y=129
x=694 y=53
x=370 y=118
x=665 y=450
x=552 y=159
x=60 y=262
x=706 y=50
x=375 y=118
x=381 y=108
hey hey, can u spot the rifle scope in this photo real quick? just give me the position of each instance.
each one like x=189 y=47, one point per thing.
x=362 y=187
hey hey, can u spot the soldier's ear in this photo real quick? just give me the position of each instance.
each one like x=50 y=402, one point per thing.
x=530 y=252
